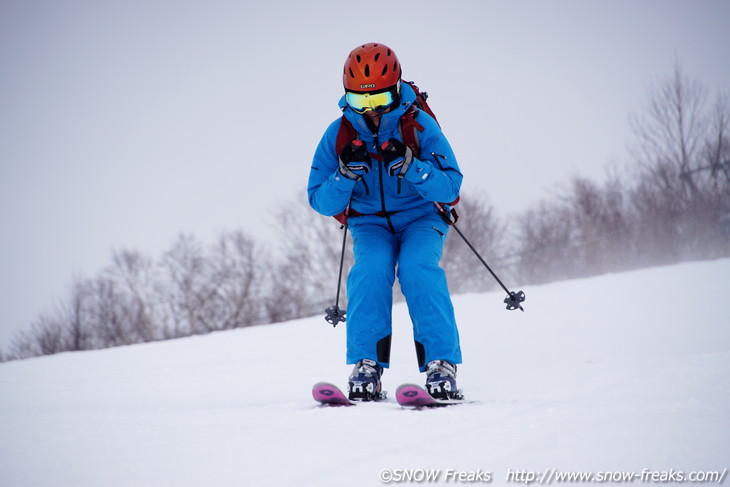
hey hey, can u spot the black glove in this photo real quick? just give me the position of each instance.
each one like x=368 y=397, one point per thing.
x=397 y=157
x=355 y=160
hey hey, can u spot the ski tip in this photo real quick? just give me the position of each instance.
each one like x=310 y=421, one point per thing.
x=323 y=384
x=327 y=393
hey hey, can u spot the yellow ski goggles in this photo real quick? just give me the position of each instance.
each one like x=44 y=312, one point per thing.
x=377 y=102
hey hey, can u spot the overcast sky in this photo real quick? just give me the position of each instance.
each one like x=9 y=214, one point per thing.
x=123 y=124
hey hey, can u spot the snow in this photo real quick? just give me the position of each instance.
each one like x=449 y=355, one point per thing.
x=620 y=372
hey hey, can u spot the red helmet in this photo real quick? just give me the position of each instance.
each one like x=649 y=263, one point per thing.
x=371 y=67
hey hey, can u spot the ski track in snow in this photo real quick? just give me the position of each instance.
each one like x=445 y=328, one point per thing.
x=617 y=372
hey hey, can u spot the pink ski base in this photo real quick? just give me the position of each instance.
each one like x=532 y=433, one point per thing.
x=411 y=395
x=330 y=394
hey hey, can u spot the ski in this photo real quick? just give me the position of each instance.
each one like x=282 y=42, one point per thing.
x=413 y=396
x=330 y=395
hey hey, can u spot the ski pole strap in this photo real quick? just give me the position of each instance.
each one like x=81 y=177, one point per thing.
x=448 y=214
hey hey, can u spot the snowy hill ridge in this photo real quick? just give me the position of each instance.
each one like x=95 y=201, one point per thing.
x=621 y=372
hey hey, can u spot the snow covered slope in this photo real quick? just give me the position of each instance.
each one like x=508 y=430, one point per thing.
x=616 y=373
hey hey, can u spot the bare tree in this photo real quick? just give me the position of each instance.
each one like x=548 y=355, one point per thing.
x=77 y=317
x=601 y=224
x=717 y=147
x=672 y=129
x=134 y=277
x=233 y=271
x=184 y=289
x=67 y=328
x=113 y=314
x=546 y=244
x=681 y=198
x=215 y=290
x=45 y=336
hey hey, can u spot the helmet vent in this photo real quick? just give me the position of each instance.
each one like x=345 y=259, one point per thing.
x=352 y=75
x=367 y=70
x=377 y=56
x=385 y=70
x=358 y=58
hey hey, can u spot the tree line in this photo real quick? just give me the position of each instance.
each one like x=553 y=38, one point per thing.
x=671 y=204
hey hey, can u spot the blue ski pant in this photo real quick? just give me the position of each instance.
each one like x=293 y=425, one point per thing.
x=411 y=253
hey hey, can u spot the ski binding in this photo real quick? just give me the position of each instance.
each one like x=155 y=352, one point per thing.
x=329 y=394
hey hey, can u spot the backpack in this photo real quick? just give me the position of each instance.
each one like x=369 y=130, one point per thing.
x=409 y=129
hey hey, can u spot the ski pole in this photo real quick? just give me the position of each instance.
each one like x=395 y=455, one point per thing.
x=513 y=298
x=333 y=314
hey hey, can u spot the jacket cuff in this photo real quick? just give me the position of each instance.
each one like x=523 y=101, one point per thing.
x=341 y=182
x=419 y=172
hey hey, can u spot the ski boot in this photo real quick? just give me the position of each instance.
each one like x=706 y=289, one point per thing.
x=441 y=380
x=364 y=382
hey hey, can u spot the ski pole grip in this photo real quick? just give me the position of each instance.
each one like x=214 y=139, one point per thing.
x=448 y=214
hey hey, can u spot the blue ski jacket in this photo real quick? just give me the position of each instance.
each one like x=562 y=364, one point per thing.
x=378 y=197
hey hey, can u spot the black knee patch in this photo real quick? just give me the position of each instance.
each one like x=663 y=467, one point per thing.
x=382 y=348
x=421 y=355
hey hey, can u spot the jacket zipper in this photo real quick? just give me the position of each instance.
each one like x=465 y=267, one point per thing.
x=381 y=168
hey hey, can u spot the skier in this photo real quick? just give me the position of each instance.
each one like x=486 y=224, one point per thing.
x=396 y=228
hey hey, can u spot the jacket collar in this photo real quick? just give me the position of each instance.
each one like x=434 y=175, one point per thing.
x=388 y=121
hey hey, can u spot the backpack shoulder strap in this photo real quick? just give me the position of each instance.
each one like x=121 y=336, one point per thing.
x=420 y=102
x=409 y=129
x=409 y=126
x=345 y=135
